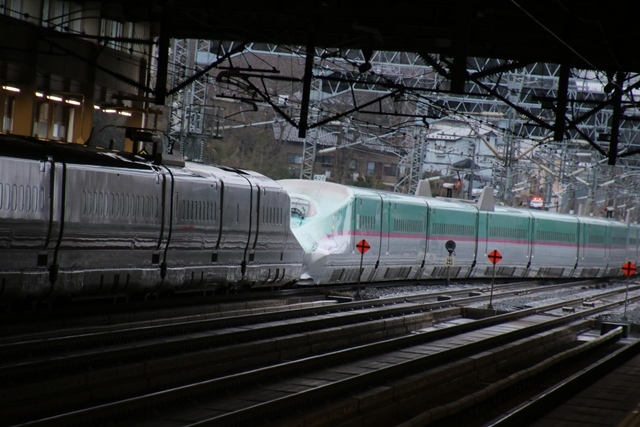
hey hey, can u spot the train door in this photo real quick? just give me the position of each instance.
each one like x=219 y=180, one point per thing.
x=530 y=240
x=166 y=209
x=608 y=242
x=484 y=247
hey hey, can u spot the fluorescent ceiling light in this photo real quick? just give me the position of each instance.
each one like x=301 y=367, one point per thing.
x=11 y=88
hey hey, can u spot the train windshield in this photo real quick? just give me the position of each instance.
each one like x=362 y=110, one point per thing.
x=302 y=207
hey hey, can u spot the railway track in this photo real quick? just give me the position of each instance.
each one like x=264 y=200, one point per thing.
x=86 y=378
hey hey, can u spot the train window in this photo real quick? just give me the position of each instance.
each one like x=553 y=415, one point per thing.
x=1 y=194
x=366 y=222
x=619 y=240
x=21 y=198
x=27 y=198
x=14 y=197
x=453 y=229
x=34 y=199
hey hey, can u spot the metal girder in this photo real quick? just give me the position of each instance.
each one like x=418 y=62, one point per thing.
x=306 y=91
x=615 y=118
x=423 y=76
x=412 y=162
x=561 y=108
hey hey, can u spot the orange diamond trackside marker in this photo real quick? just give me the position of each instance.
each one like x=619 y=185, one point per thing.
x=629 y=268
x=495 y=256
x=363 y=246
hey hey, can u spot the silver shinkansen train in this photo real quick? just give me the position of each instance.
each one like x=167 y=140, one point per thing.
x=76 y=221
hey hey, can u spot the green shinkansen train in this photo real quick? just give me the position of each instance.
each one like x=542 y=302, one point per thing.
x=407 y=237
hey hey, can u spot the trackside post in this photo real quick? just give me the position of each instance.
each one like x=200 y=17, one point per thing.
x=629 y=269
x=495 y=257
x=362 y=246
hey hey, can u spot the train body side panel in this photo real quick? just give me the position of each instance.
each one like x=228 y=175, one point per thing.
x=456 y=222
x=509 y=232
x=193 y=215
x=555 y=242
x=111 y=230
x=633 y=244
x=593 y=251
x=367 y=225
x=29 y=226
x=404 y=234
x=618 y=242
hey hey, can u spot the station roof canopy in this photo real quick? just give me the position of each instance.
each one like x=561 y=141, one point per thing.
x=588 y=34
